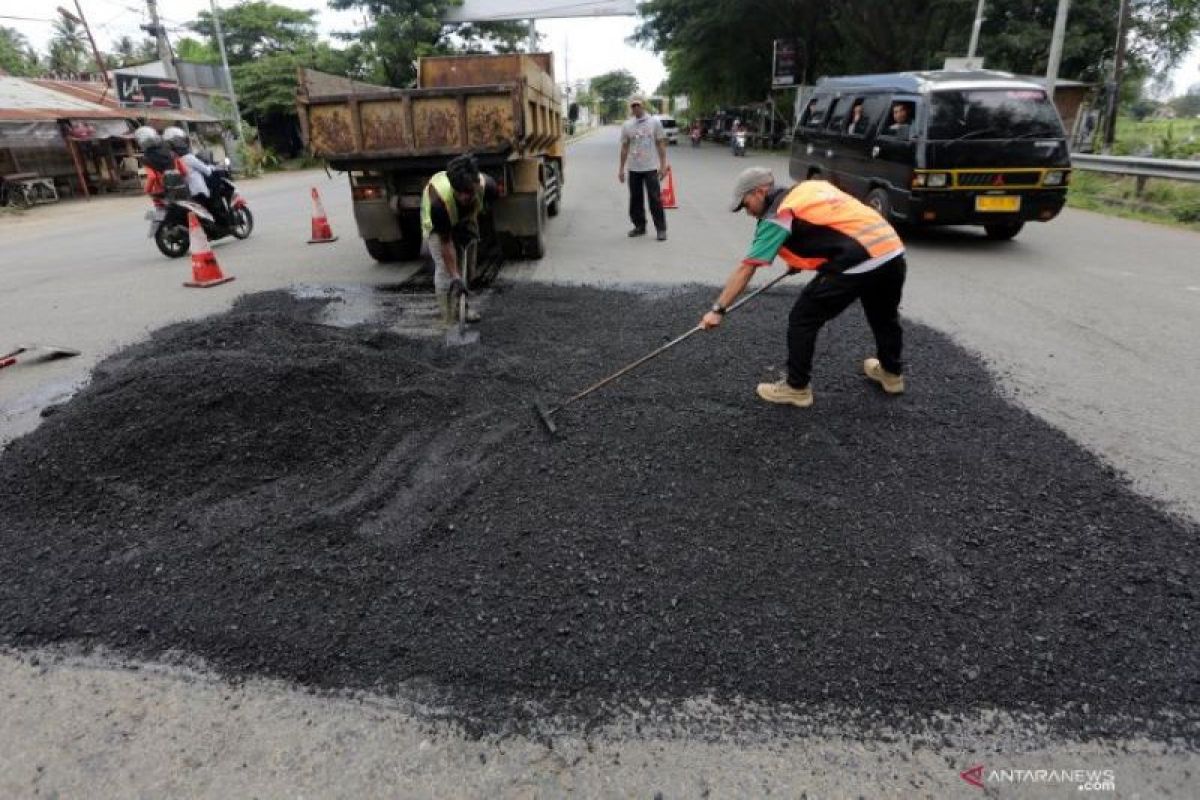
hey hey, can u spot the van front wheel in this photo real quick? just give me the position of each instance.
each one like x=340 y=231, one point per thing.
x=878 y=199
x=1003 y=231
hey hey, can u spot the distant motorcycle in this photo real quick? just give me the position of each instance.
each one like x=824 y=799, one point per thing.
x=695 y=137
x=169 y=217
x=739 y=143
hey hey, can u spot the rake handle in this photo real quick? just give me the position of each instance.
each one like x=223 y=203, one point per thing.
x=656 y=353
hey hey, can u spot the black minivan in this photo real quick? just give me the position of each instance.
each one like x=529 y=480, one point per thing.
x=938 y=148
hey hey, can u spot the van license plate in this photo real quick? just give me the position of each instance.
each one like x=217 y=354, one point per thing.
x=1003 y=203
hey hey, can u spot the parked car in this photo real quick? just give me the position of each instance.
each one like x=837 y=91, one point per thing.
x=941 y=148
x=670 y=128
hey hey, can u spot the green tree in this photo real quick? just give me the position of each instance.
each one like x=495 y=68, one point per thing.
x=68 y=48
x=16 y=56
x=1187 y=105
x=401 y=31
x=255 y=28
x=861 y=36
x=128 y=53
x=267 y=85
x=198 y=52
x=613 y=90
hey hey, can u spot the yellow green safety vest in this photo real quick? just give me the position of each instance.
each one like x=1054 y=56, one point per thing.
x=441 y=184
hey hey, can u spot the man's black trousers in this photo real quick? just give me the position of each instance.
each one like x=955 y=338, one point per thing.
x=645 y=183
x=828 y=295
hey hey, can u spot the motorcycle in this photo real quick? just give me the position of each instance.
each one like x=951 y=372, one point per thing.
x=739 y=143
x=695 y=137
x=169 y=217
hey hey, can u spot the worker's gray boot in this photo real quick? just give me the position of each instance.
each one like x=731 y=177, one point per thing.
x=445 y=304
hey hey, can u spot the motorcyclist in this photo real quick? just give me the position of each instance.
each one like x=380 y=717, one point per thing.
x=158 y=158
x=199 y=174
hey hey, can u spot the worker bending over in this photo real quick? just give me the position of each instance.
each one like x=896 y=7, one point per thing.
x=856 y=255
x=450 y=209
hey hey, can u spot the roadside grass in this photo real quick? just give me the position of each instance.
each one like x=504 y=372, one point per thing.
x=1162 y=201
x=1159 y=138
x=1167 y=202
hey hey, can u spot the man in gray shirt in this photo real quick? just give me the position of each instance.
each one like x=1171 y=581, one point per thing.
x=644 y=152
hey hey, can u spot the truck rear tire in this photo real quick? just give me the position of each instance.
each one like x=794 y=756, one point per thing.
x=535 y=246
x=410 y=243
x=385 y=252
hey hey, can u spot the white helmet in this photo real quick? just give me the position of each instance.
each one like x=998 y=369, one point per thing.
x=177 y=138
x=146 y=137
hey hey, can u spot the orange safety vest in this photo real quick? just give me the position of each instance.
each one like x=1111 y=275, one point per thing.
x=832 y=230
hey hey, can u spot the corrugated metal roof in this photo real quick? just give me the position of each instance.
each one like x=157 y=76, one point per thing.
x=23 y=100
x=89 y=91
x=77 y=100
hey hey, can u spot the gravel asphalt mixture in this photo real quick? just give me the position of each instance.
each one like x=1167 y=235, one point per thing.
x=350 y=508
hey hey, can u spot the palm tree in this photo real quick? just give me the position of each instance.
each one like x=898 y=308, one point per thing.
x=68 y=49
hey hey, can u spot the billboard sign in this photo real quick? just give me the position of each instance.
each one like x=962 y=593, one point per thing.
x=147 y=90
x=785 y=65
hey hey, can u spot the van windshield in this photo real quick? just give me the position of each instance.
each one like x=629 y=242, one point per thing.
x=992 y=114
x=667 y=122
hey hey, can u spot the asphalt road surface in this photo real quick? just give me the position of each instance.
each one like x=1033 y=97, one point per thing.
x=1087 y=321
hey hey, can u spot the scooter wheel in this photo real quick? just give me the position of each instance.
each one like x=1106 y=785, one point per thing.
x=243 y=223
x=172 y=240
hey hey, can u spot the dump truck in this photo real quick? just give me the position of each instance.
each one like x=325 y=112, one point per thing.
x=504 y=109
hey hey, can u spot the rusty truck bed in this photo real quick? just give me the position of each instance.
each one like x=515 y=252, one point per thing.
x=518 y=114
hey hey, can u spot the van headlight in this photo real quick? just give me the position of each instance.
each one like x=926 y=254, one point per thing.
x=1054 y=177
x=931 y=180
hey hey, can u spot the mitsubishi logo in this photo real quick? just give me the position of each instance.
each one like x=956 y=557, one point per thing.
x=998 y=180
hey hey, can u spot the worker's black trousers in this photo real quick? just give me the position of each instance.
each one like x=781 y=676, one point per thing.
x=828 y=295
x=645 y=183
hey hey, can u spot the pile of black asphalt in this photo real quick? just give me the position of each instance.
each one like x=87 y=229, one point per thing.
x=351 y=509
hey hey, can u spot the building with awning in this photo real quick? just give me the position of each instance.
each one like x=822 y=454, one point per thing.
x=48 y=134
x=77 y=135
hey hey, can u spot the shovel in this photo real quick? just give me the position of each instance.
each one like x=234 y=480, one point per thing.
x=545 y=415
x=460 y=334
x=47 y=353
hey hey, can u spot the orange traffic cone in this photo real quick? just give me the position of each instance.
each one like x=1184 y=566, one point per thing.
x=668 y=191
x=321 y=232
x=205 y=269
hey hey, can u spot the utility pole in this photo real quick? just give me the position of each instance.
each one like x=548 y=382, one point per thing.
x=160 y=37
x=975 y=30
x=1110 y=122
x=533 y=44
x=82 y=20
x=237 y=114
x=1056 y=47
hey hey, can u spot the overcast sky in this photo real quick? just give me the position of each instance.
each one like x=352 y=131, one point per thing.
x=592 y=46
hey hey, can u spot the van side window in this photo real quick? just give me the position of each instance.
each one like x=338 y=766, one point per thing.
x=855 y=122
x=816 y=112
x=900 y=117
x=837 y=114
x=874 y=107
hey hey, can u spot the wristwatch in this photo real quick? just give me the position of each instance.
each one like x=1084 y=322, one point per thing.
x=717 y=308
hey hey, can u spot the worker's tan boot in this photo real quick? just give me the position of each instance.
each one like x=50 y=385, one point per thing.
x=445 y=306
x=781 y=392
x=892 y=384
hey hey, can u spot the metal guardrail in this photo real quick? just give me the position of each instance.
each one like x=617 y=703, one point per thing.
x=1138 y=167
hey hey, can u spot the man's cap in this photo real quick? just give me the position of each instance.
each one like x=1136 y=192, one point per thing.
x=637 y=99
x=748 y=181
